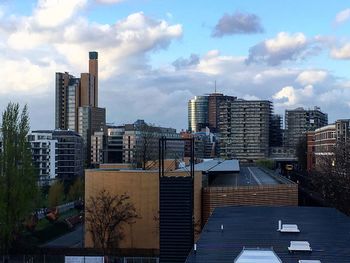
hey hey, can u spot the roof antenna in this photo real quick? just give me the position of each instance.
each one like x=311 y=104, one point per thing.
x=215 y=86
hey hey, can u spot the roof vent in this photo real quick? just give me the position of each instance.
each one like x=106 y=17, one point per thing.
x=254 y=255
x=287 y=228
x=299 y=246
x=309 y=261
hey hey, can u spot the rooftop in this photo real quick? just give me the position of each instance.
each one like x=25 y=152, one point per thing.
x=216 y=165
x=325 y=229
x=248 y=176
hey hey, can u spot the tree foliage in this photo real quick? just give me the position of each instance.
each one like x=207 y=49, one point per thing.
x=332 y=176
x=105 y=215
x=76 y=190
x=56 y=194
x=18 y=181
x=301 y=153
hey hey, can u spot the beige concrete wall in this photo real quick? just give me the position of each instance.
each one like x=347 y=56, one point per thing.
x=143 y=189
x=115 y=165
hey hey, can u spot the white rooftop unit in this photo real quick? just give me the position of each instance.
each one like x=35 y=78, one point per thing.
x=287 y=228
x=309 y=261
x=257 y=256
x=299 y=246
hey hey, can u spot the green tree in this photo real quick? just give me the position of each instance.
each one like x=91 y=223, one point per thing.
x=56 y=194
x=76 y=191
x=18 y=181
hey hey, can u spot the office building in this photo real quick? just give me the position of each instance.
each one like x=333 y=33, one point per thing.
x=90 y=120
x=198 y=113
x=245 y=129
x=205 y=144
x=57 y=154
x=142 y=141
x=322 y=142
x=299 y=121
x=204 y=111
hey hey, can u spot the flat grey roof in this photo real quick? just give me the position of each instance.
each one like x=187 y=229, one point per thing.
x=326 y=229
x=248 y=176
x=216 y=165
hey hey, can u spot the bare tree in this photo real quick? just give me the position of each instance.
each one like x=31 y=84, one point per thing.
x=105 y=216
x=147 y=144
x=332 y=176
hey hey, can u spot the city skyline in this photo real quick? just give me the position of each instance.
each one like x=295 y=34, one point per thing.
x=154 y=56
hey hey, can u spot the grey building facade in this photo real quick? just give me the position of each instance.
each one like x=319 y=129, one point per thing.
x=299 y=121
x=245 y=129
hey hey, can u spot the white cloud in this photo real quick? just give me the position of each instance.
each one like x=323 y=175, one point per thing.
x=342 y=52
x=290 y=96
x=342 y=16
x=285 y=41
x=311 y=77
x=284 y=47
x=109 y=1
x=53 y=13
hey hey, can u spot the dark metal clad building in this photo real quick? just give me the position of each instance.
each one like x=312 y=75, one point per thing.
x=324 y=235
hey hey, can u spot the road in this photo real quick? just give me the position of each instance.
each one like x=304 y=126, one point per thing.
x=72 y=239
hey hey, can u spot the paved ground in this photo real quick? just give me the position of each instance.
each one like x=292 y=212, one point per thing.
x=72 y=239
x=247 y=176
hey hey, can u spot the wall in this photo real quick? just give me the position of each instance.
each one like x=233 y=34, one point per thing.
x=270 y=195
x=143 y=189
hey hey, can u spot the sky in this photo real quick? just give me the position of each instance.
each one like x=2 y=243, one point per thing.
x=155 y=55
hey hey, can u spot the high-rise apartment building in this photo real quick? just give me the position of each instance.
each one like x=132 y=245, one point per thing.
x=245 y=129
x=299 y=121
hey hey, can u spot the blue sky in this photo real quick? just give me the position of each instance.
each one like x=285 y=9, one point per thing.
x=156 y=55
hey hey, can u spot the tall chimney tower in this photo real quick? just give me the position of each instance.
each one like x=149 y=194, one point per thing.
x=93 y=70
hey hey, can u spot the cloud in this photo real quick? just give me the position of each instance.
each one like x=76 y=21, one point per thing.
x=311 y=77
x=181 y=63
x=290 y=96
x=342 y=16
x=237 y=23
x=109 y=1
x=284 y=47
x=341 y=53
x=53 y=13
